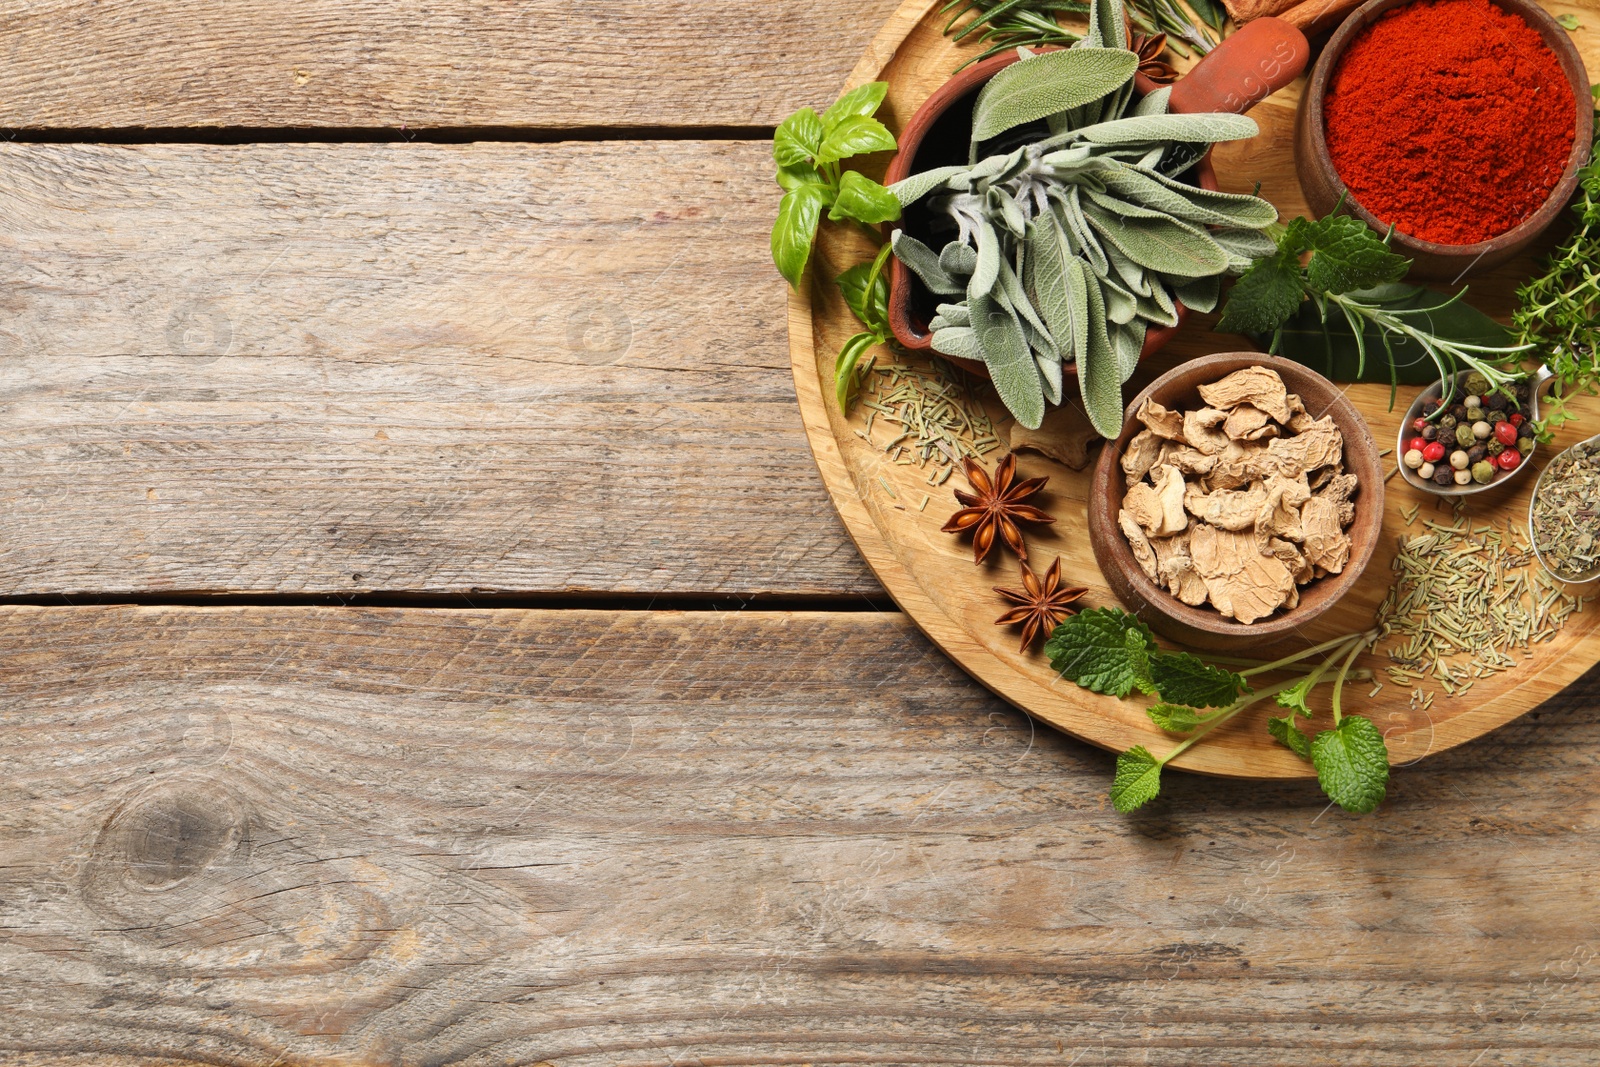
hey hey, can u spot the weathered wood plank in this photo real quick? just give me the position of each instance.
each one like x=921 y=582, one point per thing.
x=254 y=836
x=365 y=63
x=303 y=368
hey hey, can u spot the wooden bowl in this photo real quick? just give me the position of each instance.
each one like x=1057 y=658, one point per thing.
x=1205 y=627
x=1442 y=262
x=1248 y=66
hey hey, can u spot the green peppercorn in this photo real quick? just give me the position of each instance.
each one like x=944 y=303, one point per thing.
x=1525 y=445
x=1483 y=472
x=1447 y=424
x=1495 y=418
x=1494 y=446
x=1476 y=384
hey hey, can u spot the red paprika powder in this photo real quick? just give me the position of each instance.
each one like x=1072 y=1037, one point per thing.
x=1450 y=119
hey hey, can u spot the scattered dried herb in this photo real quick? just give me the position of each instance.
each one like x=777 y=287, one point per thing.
x=995 y=507
x=1466 y=598
x=1041 y=604
x=1110 y=651
x=1566 y=513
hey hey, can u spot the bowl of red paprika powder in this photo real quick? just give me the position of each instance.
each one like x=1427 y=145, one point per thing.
x=1461 y=123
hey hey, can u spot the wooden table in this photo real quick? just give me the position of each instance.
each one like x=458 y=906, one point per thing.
x=426 y=639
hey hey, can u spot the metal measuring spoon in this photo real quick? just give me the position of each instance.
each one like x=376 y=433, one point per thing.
x=1587 y=576
x=1542 y=376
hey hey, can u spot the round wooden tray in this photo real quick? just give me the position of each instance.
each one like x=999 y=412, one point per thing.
x=931 y=574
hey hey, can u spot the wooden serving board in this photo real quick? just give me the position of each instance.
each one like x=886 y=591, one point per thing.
x=932 y=576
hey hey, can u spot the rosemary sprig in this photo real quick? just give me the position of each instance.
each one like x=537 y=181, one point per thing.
x=1005 y=24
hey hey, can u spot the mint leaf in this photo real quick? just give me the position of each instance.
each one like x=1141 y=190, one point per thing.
x=1101 y=649
x=1265 y=295
x=798 y=218
x=1138 y=779
x=862 y=100
x=854 y=135
x=1347 y=255
x=1291 y=735
x=863 y=199
x=1295 y=697
x=1174 y=718
x=871 y=311
x=798 y=138
x=1352 y=764
x=1139 y=648
x=1182 y=679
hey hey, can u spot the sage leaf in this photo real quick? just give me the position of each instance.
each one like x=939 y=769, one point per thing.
x=1206 y=128
x=958 y=259
x=955 y=314
x=1108 y=24
x=1244 y=247
x=863 y=199
x=1134 y=277
x=863 y=100
x=799 y=214
x=1048 y=83
x=987 y=271
x=924 y=264
x=1010 y=363
x=1099 y=369
x=1121 y=306
x=1156 y=192
x=1128 y=343
x=1158 y=306
x=855 y=135
x=1164 y=245
x=1078 y=282
x=909 y=190
x=958 y=341
x=1048 y=255
x=1011 y=294
x=1264 y=297
x=1137 y=781
x=798 y=138
x=1050 y=374
x=1352 y=764
x=1199 y=294
x=1155 y=102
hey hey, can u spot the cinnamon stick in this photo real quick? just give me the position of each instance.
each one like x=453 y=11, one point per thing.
x=1314 y=16
x=1245 y=10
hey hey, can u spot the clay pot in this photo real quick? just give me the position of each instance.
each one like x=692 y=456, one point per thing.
x=1431 y=261
x=1205 y=627
x=1249 y=66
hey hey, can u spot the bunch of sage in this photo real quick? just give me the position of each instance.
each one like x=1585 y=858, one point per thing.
x=1068 y=249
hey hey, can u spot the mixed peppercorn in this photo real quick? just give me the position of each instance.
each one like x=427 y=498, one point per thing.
x=1482 y=437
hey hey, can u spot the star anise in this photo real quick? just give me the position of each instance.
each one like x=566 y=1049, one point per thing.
x=1151 y=65
x=1041 y=605
x=996 y=507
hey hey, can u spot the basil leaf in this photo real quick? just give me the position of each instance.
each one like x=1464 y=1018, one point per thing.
x=1095 y=648
x=855 y=135
x=798 y=217
x=1264 y=298
x=1010 y=362
x=863 y=199
x=1138 y=779
x=1045 y=84
x=844 y=372
x=870 y=311
x=1181 y=678
x=1352 y=764
x=798 y=138
x=862 y=100
x=1347 y=255
x=792 y=178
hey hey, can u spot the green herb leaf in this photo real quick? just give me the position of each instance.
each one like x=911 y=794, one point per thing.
x=855 y=135
x=1049 y=83
x=1099 y=369
x=1352 y=764
x=1100 y=649
x=1138 y=779
x=1008 y=358
x=925 y=264
x=862 y=100
x=798 y=138
x=798 y=217
x=844 y=371
x=1206 y=128
x=1347 y=255
x=869 y=310
x=909 y=190
x=1182 y=679
x=1569 y=22
x=792 y=178
x=1174 y=718
x=1264 y=297
x=1290 y=735
x=1296 y=696
x=863 y=199
x=1160 y=244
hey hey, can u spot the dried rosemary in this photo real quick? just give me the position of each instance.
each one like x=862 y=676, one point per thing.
x=1566 y=513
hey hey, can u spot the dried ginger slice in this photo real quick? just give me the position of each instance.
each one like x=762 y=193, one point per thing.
x=1242 y=583
x=1257 y=386
x=1327 y=546
x=1142 y=453
x=1177 y=569
x=1245 y=420
x=1203 y=431
x=1227 y=509
x=1162 y=423
x=1140 y=544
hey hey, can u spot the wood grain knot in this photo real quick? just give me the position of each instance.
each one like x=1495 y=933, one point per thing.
x=167 y=835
